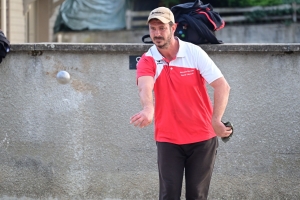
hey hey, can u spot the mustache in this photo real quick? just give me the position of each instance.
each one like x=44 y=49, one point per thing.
x=160 y=38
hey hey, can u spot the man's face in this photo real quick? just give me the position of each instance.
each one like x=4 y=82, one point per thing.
x=160 y=33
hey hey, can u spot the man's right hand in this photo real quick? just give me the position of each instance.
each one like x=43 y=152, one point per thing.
x=143 y=118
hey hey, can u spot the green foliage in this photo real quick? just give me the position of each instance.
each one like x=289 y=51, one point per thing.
x=265 y=15
x=290 y=1
x=169 y=3
x=232 y=3
x=260 y=15
x=249 y=3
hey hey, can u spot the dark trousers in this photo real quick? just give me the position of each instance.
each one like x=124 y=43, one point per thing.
x=195 y=160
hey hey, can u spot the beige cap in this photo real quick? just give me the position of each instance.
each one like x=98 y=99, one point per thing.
x=163 y=14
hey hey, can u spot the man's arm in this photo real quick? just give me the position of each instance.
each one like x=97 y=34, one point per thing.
x=145 y=116
x=221 y=95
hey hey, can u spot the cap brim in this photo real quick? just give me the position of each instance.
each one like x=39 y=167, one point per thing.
x=162 y=19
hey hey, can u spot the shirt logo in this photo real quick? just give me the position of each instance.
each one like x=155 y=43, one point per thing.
x=187 y=72
x=157 y=13
x=159 y=62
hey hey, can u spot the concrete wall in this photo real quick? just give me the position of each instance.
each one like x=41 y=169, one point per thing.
x=263 y=33
x=74 y=141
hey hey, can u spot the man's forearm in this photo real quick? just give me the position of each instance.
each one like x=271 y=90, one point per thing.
x=146 y=97
x=221 y=95
x=145 y=116
x=220 y=103
x=145 y=91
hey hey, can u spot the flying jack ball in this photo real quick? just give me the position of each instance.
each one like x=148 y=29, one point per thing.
x=63 y=77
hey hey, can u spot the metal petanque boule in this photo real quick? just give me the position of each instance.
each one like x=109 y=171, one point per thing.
x=63 y=77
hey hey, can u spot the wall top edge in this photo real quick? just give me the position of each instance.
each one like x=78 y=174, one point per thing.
x=140 y=47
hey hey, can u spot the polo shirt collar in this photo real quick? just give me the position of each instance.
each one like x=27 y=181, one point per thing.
x=182 y=49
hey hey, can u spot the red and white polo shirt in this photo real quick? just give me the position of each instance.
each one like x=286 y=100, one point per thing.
x=183 y=109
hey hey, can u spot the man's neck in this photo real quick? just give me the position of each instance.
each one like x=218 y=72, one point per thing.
x=171 y=51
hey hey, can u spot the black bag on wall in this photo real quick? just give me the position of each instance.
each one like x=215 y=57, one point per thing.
x=4 y=46
x=197 y=23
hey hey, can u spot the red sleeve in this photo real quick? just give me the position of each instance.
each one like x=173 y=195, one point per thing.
x=145 y=67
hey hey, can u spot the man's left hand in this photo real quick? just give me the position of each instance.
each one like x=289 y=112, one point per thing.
x=220 y=129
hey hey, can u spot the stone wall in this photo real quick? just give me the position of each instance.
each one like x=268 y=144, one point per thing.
x=264 y=33
x=74 y=141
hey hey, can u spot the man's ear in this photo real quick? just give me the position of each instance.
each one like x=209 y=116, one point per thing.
x=174 y=26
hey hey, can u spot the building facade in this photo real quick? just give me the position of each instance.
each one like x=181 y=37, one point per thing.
x=28 y=21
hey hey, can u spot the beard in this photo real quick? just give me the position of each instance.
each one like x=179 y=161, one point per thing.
x=163 y=43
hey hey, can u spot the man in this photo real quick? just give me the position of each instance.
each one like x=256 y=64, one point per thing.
x=186 y=123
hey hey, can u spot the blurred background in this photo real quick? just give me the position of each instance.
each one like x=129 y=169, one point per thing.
x=124 y=21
